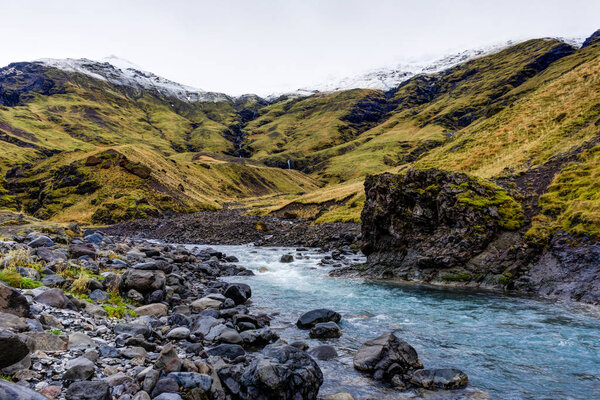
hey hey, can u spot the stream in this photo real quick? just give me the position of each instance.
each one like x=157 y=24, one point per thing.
x=510 y=347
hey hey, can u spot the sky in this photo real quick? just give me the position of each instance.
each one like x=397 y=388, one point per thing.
x=265 y=47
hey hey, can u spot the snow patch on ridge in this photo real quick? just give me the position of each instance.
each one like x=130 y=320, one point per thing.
x=124 y=73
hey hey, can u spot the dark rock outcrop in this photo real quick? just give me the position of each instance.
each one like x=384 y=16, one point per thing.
x=12 y=301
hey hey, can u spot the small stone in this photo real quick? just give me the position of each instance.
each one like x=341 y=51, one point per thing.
x=42 y=241
x=205 y=303
x=311 y=318
x=167 y=360
x=445 y=378
x=287 y=258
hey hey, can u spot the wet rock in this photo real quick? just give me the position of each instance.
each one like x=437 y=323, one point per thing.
x=12 y=301
x=53 y=280
x=79 y=369
x=238 y=292
x=153 y=310
x=287 y=371
x=325 y=330
x=12 y=348
x=259 y=337
x=324 y=352
x=191 y=380
x=386 y=356
x=88 y=390
x=446 y=378
x=286 y=258
x=12 y=391
x=311 y=318
x=41 y=241
x=55 y=298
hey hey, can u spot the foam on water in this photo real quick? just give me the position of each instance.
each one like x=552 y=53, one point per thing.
x=511 y=347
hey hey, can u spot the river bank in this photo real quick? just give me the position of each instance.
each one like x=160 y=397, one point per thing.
x=231 y=227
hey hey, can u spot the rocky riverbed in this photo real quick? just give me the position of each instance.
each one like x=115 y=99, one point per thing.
x=84 y=315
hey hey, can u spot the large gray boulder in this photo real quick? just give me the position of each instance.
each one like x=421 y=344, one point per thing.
x=55 y=298
x=143 y=281
x=12 y=348
x=386 y=356
x=12 y=301
x=284 y=373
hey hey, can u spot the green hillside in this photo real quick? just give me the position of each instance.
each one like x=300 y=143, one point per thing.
x=526 y=117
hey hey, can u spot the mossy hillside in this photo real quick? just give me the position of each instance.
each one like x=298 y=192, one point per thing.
x=572 y=202
x=294 y=128
x=560 y=113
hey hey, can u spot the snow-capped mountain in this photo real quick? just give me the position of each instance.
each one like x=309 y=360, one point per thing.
x=124 y=73
x=390 y=77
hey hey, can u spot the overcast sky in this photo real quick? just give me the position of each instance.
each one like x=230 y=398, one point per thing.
x=269 y=46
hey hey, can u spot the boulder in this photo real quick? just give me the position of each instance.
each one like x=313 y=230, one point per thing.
x=12 y=301
x=95 y=237
x=168 y=360
x=153 y=310
x=53 y=280
x=133 y=329
x=41 y=241
x=55 y=298
x=238 y=292
x=12 y=348
x=78 y=340
x=205 y=303
x=286 y=371
x=178 y=333
x=79 y=369
x=258 y=337
x=82 y=249
x=228 y=351
x=99 y=295
x=386 y=356
x=311 y=318
x=165 y=385
x=12 y=391
x=45 y=341
x=88 y=390
x=445 y=378
x=191 y=380
x=143 y=281
x=12 y=322
x=325 y=330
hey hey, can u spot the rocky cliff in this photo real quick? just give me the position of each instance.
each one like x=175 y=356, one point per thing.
x=443 y=227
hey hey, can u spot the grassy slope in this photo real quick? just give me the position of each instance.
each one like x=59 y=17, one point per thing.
x=93 y=116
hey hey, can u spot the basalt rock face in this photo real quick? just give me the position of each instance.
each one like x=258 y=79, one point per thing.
x=430 y=224
x=444 y=227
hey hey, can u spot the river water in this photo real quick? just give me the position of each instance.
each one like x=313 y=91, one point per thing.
x=510 y=347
